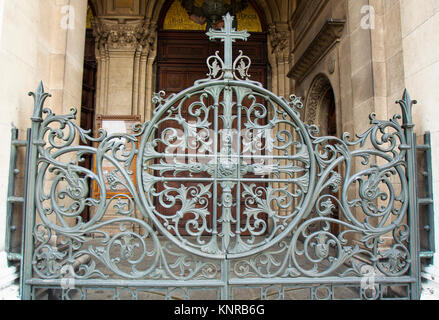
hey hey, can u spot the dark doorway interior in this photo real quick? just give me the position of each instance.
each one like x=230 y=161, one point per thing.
x=88 y=98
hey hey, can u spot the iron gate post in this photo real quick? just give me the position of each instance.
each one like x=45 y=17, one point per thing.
x=426 y=202
x=413 y=214
x=225 y=270
x=26 y=270
x=12 y=198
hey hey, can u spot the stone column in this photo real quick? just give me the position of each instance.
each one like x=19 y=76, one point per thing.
x=279 y=35
x=278 y=56
x=146 y=72
x=122 y=50
x=39 y=40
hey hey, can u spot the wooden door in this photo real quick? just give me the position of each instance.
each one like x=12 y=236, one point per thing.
x=88 y=99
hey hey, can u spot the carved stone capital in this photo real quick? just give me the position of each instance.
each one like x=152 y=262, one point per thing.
x=111 y=35
x=279 y=40
x=148 y=40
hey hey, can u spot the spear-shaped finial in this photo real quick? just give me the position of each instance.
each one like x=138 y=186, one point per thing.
x=406 y=104
x=39 y=97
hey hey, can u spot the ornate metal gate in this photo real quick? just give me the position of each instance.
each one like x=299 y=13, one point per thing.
x=270 y=209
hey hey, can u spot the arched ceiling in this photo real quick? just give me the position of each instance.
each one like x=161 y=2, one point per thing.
x=276 y=11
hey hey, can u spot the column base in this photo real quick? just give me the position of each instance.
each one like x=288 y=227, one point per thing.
x=430 y=283
x=9 y=290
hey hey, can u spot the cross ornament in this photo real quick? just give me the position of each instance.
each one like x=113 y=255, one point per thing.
x=228 y=35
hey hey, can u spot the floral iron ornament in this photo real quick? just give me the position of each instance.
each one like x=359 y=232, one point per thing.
x=232 y=190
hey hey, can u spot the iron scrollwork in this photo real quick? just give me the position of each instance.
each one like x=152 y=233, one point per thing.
x=227 y=172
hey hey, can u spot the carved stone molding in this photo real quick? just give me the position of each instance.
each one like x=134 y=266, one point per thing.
x=331 y=63
x=119 y=8
x=325 y=39
x=317 y=93
x=279 y=40
x=304 y=15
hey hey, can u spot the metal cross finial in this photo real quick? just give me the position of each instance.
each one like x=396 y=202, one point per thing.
x=228 y=35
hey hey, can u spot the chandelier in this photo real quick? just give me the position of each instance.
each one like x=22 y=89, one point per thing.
x=212 y=11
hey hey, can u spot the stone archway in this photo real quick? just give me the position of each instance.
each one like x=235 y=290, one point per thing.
x=126 y=53
x=275 y=18
x=320 y=111
x=320 y=106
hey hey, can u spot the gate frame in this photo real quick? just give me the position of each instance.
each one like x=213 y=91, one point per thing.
x=412 y=214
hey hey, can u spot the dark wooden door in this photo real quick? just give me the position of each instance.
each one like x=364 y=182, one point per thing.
x=88 y=98
x=182 y=58
x=181 y=61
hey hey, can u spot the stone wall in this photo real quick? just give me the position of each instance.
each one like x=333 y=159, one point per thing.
x=321 y=42
x=420 y=58
x=38 y=42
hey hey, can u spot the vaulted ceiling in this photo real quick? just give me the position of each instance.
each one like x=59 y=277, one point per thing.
x=276 y=11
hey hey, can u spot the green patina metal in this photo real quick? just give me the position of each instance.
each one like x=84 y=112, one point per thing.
x=287 y=185
x=425 y=201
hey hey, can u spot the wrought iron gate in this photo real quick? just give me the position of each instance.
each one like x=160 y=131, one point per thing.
x=270 y=209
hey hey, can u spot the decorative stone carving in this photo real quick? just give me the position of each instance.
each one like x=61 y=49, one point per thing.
x=123 y=42
x=317 y=92
x=325 y=39
x=148 y=41
x=305 y=12
x=331 y=63
x=130 y=36
x=279 y=41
